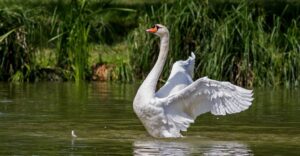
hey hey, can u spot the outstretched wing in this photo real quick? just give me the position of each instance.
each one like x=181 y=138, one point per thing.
x=205 y=95
x=181 y=76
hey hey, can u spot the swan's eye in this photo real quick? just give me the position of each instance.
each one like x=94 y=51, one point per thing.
x=156 y=26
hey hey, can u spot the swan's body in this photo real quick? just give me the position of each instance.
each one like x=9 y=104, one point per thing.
x=178 y=103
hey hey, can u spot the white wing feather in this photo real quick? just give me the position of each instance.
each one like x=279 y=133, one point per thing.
x=181 y=100
x=204 y=95
x=181 y=76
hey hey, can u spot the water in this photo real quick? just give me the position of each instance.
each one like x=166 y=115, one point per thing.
x=37 y=119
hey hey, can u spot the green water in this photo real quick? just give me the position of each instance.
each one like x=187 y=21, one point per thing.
x=37 y=119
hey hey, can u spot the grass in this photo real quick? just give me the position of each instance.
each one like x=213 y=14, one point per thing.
x=250 y=44
x=73 y=45
x=240 y=45
x=65 y=30
x=116 y=56
x=15 y=47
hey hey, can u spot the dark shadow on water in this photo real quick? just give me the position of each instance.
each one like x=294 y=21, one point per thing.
x=187 y=147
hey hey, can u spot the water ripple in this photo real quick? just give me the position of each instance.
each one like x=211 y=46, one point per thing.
x=162 y=147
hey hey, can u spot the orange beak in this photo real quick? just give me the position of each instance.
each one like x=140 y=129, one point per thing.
x=152 y=30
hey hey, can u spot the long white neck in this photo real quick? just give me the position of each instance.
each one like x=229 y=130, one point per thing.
x=147 y=89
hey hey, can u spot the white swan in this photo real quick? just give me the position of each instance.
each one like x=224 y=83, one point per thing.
x=178 y=103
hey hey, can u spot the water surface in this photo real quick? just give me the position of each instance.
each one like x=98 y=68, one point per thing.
x=37 y=119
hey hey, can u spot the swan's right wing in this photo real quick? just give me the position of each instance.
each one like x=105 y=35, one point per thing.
x=203 y=95
x=206 y=95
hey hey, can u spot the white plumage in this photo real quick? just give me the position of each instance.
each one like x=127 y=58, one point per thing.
x=73 y=134
x=178 y=103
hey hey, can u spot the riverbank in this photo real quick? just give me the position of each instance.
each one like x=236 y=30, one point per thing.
x=249 y=44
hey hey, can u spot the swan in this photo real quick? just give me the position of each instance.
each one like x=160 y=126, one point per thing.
x=177 y=104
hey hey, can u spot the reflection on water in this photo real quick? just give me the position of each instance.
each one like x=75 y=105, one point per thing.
x=158 y=147
x=5 y=101
x=182 y=148
x=228 y=148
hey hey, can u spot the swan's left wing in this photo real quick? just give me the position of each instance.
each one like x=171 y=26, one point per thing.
x=206 y=95
x=181 y=76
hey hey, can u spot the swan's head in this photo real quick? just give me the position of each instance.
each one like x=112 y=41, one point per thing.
x=158 y=30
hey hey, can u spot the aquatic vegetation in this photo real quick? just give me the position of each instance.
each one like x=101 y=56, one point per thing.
x=15 y=46
x=112 y=63
x=63 y=32
x=240 y=44
x=73 y=44
x=248 y=43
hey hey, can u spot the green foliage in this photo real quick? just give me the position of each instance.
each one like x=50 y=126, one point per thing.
x=237 y=44
x=73 y=45
x=15 y=47
x=17 y=77
x=78 y=26
x=61 y=31
x=241 y=42
x=116 y=59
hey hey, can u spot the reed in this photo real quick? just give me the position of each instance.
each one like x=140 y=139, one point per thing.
x=79 y=27
x=62 y=31
x=73 y=45
x=239 y=44
x=188 y=22
x=15 y=45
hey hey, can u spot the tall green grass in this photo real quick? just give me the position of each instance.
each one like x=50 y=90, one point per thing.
x=78 y=28
x=73 y=45
x=15 y=44
x=32 y=31
x=239 y=44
